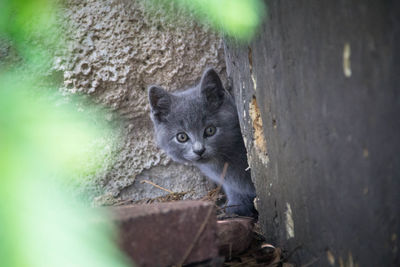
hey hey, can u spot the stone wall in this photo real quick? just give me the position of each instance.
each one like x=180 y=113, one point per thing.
x=114 y=50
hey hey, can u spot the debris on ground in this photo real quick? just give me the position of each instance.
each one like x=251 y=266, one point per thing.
x=240 y=240
x=171 y=196
x=260 y=253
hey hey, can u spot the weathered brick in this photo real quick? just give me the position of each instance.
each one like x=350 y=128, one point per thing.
x=234 y=235
x=163 y=234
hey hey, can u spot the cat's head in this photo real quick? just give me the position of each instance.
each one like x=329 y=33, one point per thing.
x=196 y=125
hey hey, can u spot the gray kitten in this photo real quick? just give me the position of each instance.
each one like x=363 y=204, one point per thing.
x=200 y=126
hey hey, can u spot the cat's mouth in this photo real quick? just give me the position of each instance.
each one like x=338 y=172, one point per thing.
x=200 y=159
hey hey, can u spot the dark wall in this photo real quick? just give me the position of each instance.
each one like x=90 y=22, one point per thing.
x=328 y=177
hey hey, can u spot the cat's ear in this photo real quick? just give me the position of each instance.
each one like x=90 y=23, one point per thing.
x=160 y=102
x=211 y=87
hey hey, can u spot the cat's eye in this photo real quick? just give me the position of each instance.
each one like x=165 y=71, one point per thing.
x=182 y=137
x=210 y=131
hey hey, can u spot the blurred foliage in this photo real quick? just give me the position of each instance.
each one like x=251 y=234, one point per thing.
x=238 y=19
x=29 y=24
x=42 y=145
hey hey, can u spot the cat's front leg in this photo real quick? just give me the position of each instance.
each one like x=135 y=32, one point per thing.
x=239 y=203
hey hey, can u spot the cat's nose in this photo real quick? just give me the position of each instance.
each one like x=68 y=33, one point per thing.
x=198 y=148
x=200 y=151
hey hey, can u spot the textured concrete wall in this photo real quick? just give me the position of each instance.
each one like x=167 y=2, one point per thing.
x=319 y=105
x=114 y=50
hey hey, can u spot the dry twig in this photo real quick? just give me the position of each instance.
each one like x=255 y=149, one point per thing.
x=156 y=185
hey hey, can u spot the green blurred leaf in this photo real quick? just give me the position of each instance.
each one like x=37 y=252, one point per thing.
x=40 y=224
x=238 y=19
x=41 y=146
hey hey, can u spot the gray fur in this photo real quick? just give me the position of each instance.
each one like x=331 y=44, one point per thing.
x=191 y=112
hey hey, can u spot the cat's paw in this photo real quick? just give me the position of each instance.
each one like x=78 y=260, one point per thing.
x=225 y=216
x=241 y=210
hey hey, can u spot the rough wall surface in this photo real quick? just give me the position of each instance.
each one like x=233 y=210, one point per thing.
x=114 y=50
x=321 y=86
